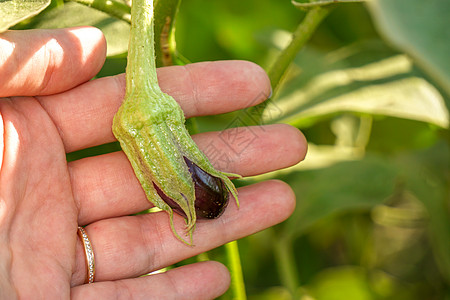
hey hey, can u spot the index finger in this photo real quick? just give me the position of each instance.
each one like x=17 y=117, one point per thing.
x=84 y=114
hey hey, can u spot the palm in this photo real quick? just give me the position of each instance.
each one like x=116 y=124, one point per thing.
x=43 y=199
x=43 y=228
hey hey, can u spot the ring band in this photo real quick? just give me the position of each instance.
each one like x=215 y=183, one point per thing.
x=90 y=274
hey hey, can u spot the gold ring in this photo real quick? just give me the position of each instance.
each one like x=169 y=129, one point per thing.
x=90 y=274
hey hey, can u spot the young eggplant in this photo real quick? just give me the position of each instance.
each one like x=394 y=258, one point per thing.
x=211 y=196
x=174 y=173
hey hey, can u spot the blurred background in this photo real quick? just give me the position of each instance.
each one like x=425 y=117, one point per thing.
x=373 y=195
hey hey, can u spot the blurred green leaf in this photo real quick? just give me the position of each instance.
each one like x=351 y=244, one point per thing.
x=421 y=29
x=114 y=8
x=342 y=187
x=311 y=3
x=15 y=11
x=427 y=176
x=394 y=135
x=212 y=30
x=73 y=14
x=113 y=65
x=312 y=60
x=410 y=98
x=356 y=283
x=386 y=87
x=278 y=293
x=342 y=283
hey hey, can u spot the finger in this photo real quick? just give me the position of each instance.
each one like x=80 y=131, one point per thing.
x=43 y=62
x=134 y=245
x=84 y=115
x=204 y=280
x=105 y=186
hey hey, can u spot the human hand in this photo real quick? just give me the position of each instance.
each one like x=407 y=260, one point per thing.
x=51 y=109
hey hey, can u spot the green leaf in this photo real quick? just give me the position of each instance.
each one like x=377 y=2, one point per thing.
x=427 y=176
x=364 y=184
x=15 y=11
x=272 y=293
x=411 y=98
x=337 y=283
x=311 y=3
x=387 y=87
x=342 y=187
x=421 y=29
x=354 y=282
x=73 y=14
x=394 y=135
x=113 y=8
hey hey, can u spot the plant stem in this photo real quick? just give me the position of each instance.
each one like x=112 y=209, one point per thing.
x=237 y=279
x=141 y=66
x=165 y=12
x=164 y=17
x=279 y=67
x=300 y=37
x=286 y=264
x=111 y=7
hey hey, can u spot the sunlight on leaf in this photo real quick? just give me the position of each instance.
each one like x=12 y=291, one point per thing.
x=14 y=11
x=410 y=98
x=327 y=81
x=348 y=282
x=74 y=14
x=318 y=157
x=421 y=29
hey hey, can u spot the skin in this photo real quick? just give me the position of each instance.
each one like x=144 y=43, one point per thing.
x=51 y=108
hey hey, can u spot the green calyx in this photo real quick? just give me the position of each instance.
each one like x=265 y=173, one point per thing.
x=150 y=128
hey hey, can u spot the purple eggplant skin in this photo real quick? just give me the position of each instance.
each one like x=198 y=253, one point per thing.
x=211 y=195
